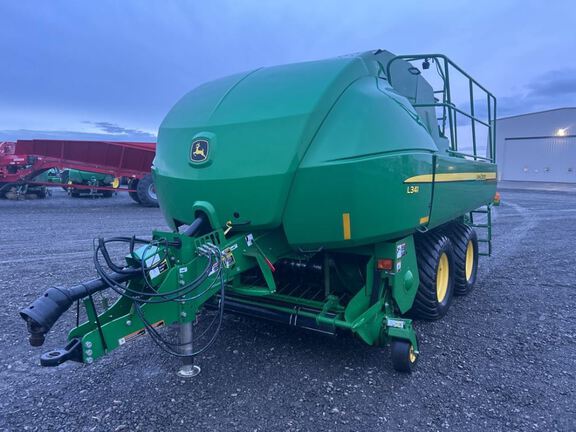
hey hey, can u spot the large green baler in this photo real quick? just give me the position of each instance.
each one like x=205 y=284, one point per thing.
x=330 y=195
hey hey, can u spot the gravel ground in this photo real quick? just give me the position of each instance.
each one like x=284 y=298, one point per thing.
x=503 y=359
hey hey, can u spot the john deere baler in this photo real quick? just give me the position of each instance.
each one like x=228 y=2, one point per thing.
x=329 y=195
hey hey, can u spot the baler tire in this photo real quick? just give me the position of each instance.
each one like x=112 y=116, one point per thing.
x=465 y=244
x=434 y=253
x=404 y=359
x=146 y=193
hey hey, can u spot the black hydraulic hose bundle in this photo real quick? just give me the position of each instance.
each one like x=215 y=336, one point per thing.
x=41 y=315
x=183 y=293
x=141 y=296
x=168 y=346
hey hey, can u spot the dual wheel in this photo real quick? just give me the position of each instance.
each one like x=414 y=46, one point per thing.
x=447 y=263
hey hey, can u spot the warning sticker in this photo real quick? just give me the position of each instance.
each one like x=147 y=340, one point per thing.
x=395 y=323
x=228 y=257
x=231 y=248
x=228 y=260
x=157 y=271
x=137 y=333
x=400 y=250
x=214 y=268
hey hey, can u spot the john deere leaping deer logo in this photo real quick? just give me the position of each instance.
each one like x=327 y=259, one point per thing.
x=199 y=151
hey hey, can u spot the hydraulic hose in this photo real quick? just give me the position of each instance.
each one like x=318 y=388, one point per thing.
x=41 y=314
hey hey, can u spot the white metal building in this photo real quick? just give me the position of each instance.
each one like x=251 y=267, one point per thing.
x=539 y=146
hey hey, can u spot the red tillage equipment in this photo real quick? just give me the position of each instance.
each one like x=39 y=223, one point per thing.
x=25 y=159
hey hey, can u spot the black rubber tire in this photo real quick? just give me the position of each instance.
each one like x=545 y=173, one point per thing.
x=400 y=354
x=461 y=235
x=42 y=192
x=133 y=184
x=429 y=249
x=145 y=192
x=64 y=176
x=5 y=188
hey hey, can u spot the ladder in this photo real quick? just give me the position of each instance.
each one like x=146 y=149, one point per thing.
x=483 y=228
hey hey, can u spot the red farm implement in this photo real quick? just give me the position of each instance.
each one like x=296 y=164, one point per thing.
x=23 y=160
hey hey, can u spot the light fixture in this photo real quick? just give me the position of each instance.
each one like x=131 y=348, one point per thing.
x=561 y=132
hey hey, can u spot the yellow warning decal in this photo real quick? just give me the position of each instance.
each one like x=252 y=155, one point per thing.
x=424 y=220
x=139 y=332
x=346 y=225
x=451 y=177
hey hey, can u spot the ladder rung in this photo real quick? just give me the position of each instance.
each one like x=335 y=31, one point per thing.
x=488 y=225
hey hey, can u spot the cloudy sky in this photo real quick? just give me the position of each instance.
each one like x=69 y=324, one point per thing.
x=90 y=69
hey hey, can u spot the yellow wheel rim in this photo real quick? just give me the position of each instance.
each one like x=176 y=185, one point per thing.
x=116 y=183
x=442 y=278
x=469 y=260
x=412 y=354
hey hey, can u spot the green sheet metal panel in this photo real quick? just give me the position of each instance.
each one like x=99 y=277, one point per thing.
x=77 y=176
x=460 y=185
x=259 y=128
x=328 y=149
x=369 y=143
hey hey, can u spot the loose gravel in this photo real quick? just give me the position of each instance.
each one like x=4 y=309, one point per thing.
x=503 y=359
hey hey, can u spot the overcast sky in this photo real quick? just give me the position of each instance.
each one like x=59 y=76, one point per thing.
x=80 y=68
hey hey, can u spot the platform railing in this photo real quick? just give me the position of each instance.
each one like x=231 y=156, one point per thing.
x=449 y=110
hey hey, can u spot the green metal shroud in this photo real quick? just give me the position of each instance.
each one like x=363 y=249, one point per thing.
x=313 y=179
x=296 y=146
x=81 y=177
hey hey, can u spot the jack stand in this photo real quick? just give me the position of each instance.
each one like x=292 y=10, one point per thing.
x=185 y=338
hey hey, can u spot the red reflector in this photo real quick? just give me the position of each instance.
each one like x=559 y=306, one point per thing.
x=385 y=264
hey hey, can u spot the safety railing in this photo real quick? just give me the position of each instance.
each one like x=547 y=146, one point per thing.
x=450 y=112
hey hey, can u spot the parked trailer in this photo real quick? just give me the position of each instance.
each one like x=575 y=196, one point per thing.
x=23 y=160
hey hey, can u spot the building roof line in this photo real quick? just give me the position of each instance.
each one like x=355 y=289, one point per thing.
x=536 y=112
x=539 y=137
